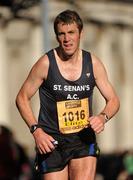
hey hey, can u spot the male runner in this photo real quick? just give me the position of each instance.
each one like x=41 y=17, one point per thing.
x=65 y=130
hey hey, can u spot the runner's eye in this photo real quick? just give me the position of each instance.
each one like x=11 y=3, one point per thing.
x=71 y=32
x=60 y=33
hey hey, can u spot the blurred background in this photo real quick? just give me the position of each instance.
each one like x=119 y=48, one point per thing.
x=26 y=33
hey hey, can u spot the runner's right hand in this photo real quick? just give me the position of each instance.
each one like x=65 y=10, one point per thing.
x=43 y=141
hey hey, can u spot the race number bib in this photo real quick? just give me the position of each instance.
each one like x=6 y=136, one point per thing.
x=73 y=115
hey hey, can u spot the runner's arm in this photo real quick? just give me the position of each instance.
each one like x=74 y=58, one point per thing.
x=107 y=91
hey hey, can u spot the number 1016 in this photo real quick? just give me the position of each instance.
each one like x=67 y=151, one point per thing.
x=70 y=116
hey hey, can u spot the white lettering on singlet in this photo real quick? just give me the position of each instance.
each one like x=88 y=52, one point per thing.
x=68 y=89
x=57 y=87
x=74 y=96
x=71 y=88
x=77 y=88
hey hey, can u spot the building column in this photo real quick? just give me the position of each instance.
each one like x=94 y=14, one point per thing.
x=4 y=88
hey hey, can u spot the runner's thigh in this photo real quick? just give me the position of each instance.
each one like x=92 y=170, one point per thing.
x=59 y=175
x=83 y=168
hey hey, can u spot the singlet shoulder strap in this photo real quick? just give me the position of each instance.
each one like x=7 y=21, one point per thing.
x=50 y=55
x=88 y=62
x=87 y=57
x=52 y=60
x=53 y=68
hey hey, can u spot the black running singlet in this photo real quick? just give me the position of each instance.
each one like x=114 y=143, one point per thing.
x=65 y=104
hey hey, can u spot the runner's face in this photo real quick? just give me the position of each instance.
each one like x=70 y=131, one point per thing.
x=68 y=37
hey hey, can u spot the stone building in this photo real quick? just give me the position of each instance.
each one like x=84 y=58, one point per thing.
x=108 y=33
